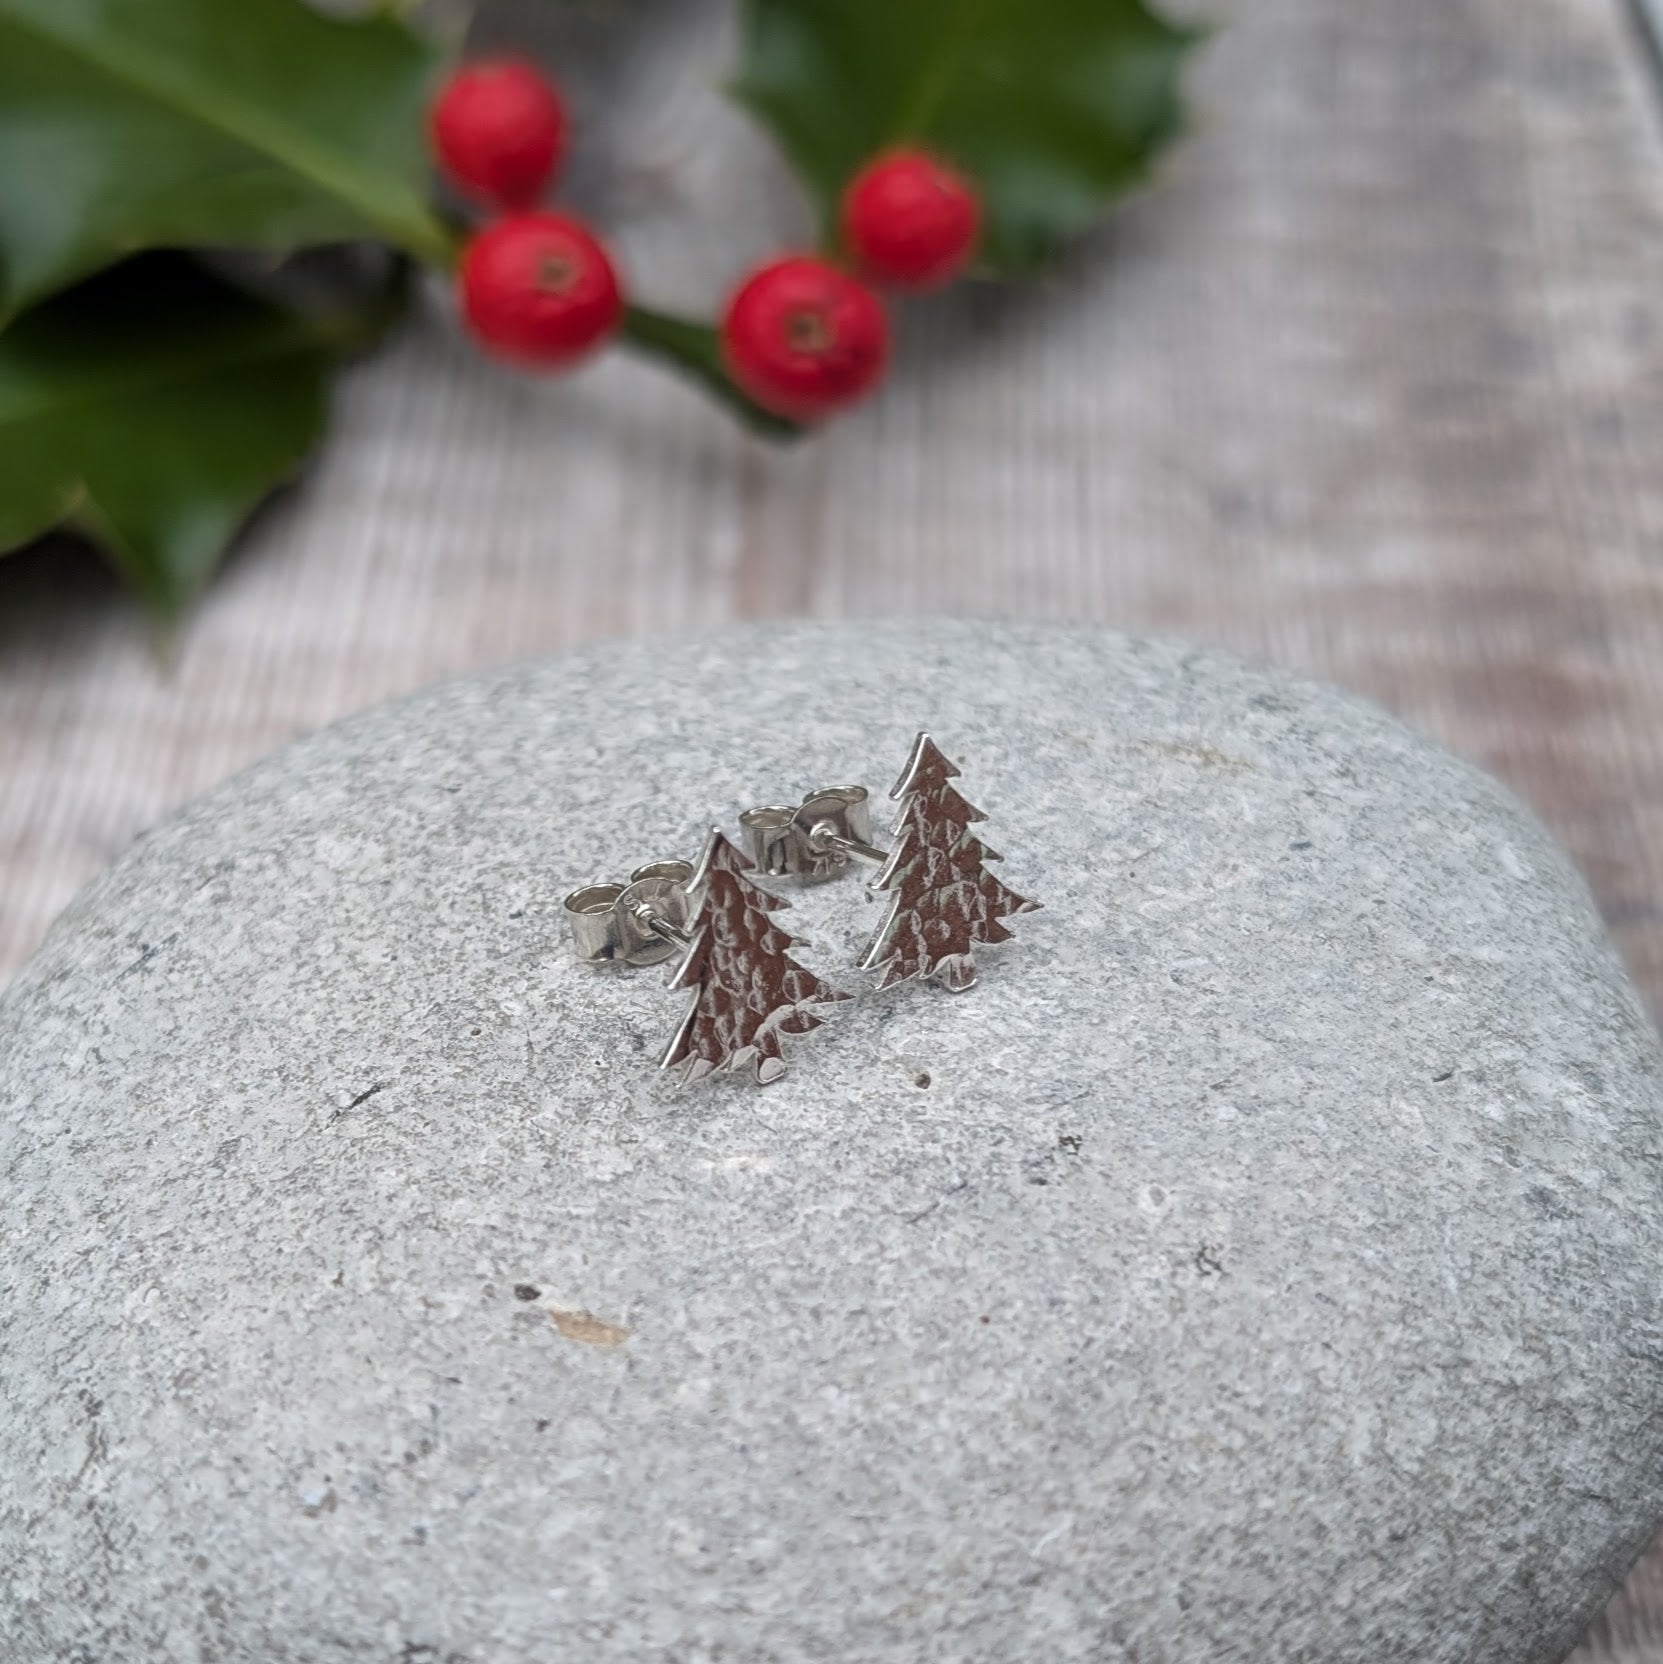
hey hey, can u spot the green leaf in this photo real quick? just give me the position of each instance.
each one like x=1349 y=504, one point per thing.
x=1055 y=107
x=133 y=124
x=151 y=408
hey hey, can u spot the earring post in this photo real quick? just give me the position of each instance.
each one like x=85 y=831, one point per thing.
x=661 y=927
x=824 y=838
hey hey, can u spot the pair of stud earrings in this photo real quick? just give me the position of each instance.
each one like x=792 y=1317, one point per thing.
x=748 y=992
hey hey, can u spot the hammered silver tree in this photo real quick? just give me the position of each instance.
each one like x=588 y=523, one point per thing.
x=749 y=991
x=945 y=900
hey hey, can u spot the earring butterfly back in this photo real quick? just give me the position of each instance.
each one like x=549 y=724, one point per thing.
x=643 y=922
x=813 y=840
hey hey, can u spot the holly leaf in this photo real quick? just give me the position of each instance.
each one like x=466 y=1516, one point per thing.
x=133 y=124
x=152 y=407
x=1054 y=107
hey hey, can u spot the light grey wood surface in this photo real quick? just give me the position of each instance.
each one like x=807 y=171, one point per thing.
x=1372 y=384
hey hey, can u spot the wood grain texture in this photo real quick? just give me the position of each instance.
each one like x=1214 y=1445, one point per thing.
x=1372 y=385
x=1651 y=18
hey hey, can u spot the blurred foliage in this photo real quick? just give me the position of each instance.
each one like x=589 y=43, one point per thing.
x=152 y=405
x=1054 y=107
x=257 y=124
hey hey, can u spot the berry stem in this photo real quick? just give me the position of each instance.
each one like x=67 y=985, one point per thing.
x=685 y=345
x=432 y=239
x=437 y=242
x=695 y=350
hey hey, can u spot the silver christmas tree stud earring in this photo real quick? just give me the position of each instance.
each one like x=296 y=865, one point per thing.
x=749 y=992
x=944 y=900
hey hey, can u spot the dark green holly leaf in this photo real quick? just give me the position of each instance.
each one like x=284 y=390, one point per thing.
x=1055 y=107
x=152 y=407
x=132 y=124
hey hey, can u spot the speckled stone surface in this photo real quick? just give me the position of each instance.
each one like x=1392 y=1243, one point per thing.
x=1264 y=1263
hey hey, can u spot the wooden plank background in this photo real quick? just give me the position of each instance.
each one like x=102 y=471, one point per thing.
x=1372 y=385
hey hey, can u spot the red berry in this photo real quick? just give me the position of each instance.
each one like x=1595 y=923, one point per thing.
x=539 y=290
x=910 y=220
x=805 y=339
x=498 y=131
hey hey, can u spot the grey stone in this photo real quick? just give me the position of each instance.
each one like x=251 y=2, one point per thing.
x=1264 y=1262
